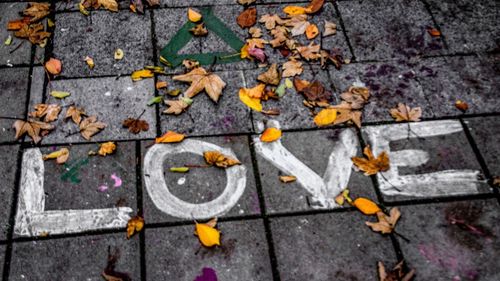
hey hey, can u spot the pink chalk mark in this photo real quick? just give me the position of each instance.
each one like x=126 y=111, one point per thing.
x=102 y=188
x=118 y=181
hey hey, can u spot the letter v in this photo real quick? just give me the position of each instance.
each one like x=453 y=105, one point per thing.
x=337 y=173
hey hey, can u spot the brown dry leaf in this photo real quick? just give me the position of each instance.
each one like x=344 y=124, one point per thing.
x=152 y=3
x=111 y=5
x=256 y=43
x=61 y=156
x=347 y=114
x=75 y=114
x=247 y=18
x=31 y=127
x=405 y=113
x=135 y=126
x=271 y=76
x=134 y=225
x=385 y=223
x=371 y=165
x=356 y=97
x=34 y=33
x=190 y=64
x=177 y=106
x=161 y=85
x=255 y=92
x=287 y=179
x=18 y=23
x=50 y=111
x=109 y=273
x=310 y=52
x=315 y=92
x=106 y=148
x=298 y=23
x=270 y=21
x=292 y=68
x=37 y=11
x=199 y=30
x=280 y=36
x=300 y=84
x=201 y=80
x=90 y=126
x=218 y=159
x=396 y=274
x=496 y=181
x=170 y=137
x=314 y=6
x=270 y=135
x=246 y=2
x=461 y=105
x=332 y=57
x=330 y=28
x=255 y=32
x=312 y=31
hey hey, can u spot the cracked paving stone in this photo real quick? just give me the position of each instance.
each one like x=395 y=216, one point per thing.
x=487 y=139
x=451 y=241
x=337 y=246
x=243 y=253
x=313 y=148
x=73 y=259
x=14 y=83
x=384 y=30
x=111 y=100
x=201 y=185
x=8 y=158
x=98 y=36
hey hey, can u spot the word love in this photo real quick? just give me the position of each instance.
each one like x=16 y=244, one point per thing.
x=32 y=219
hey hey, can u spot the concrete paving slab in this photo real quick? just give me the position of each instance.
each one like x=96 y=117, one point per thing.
x=98 y=36
x=337 y=246
x=487 y=139
x=243 y=253
x=466 y=26
x=204 y=117
x=202 y=185
x=313 y=148
x=8 y=168
x=76 y=258
x=386 y=30
x=451 y=241
x=13 y=97
x=111 y=100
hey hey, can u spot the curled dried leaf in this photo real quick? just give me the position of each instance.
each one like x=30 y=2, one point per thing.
x=270 y=135
x=106 y=148
x=170 y=137
x=287 y=179
x=220 y=160
x=61 y=156
x=371 y=165
x=134 y=225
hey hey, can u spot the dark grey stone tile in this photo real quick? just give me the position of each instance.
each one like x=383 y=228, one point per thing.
x=243 y=254
x=383 y=30
x=110 y=99
x=486 y=135
x=475 y=80
x=10 y=11
x=2 y=256
x=336 y=246
x=77 y=258
x=468 y=26
x=204 y=117
x=313 y=148
x=451 y=241
x=390 y=83
x=8 y=167
x=98 y=36
x=201 y=185
x=13 y=97
x=448 y=152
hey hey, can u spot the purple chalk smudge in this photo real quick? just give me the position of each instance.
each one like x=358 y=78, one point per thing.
x=208 y=274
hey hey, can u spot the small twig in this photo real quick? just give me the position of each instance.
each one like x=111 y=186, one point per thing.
x=17 y=47
x=73 y=133
x=141 y=114
x=230 y=56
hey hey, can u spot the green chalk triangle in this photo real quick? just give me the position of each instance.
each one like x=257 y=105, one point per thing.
x=169 y=56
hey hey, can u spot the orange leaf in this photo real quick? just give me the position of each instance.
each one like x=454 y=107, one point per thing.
x=53 y=66
x=371 y=165
x=314 y=6
x=220 y=160
x=134 y=225
x=434 y=32
x=366 y=206
x=295 y=10
x=312 y=31
x=193 y=15
x=270 y=135
x=461 y=105
x=170 y=137
x=247 y=18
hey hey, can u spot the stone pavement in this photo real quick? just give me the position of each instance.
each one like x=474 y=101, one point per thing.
x=274 y=231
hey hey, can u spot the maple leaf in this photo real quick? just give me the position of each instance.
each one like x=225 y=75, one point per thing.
x=177 y=106
x=396 y=274
x=330 y=28
x=280 y=36
x=371 y=165
x=309 y=52
x=201 y=80
x=134 y=225
x=50 y=112
x=75 y=114
x=90 y=126
x=270 y=21
x=106 y=148
x=256 y=43
x=37 y=11
x=199 y=30
x=247 y=18
x=255 y=32
x=405 y=113
x=347 y=114
x=135 y=126
x=61 y=156
x=356 y=97
x=218 y=159
x=31 y=127
x=385 y=223
x=34 y=33
x=109 y=273
x=271 y=76
x=292 y=68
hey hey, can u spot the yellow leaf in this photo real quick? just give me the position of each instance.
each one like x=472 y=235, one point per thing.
x=107 y=148
x=325 y=117
x=134 y=225
x=193 y=15
x=244 y=52
x=61 y=156
x=287 y=179
x=90 y=62
x=170 y=137
x=295 y=10
x=207 y=235
x=139 y=74
x=366 y=206
x=270 y=134
x=82 y=8
x=249 y=96
x=218 y=159
x=119 y=54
